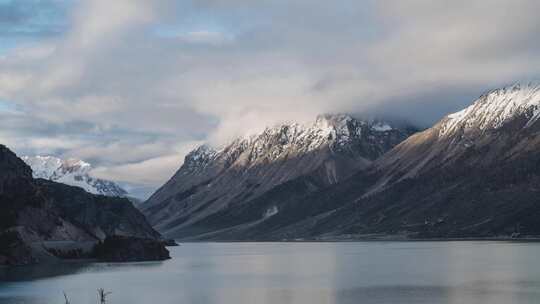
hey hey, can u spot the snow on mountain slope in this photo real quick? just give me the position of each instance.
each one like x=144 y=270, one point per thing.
x=498 y=126
x=324 y=151
x=476 y=173
x=340 y=133
x=495 y=108
x=72 y=172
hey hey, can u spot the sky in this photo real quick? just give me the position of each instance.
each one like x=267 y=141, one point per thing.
x=131 y=86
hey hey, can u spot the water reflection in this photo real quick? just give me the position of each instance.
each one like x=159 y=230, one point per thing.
x=35 y=272
x=370 y=272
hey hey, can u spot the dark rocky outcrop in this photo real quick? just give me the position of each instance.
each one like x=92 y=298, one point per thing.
x=170 y=243
x=103 y=215
x=130 y=249
x=42 y=220
x=14 y=251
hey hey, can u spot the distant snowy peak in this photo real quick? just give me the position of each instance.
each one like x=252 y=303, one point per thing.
x=76 y=165
x=43 y=166
x=338 y=132
x=72 y=172
x=495 y=108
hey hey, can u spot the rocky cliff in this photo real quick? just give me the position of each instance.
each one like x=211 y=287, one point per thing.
x=38 y=218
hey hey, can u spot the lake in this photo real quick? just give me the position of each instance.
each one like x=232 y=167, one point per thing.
x=306 y=273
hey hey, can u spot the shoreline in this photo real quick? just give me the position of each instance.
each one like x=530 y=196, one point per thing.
x=358 y=239
x=372 y=238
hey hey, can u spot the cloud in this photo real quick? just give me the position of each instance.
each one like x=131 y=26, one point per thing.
x=125 y=83
x=150 y=171
x=197 y=36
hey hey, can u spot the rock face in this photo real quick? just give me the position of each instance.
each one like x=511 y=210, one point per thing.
x=73 y=172
x=244 y=181
x=48 y=213
x=14 y=251
x=15 y=184
x=102 y=215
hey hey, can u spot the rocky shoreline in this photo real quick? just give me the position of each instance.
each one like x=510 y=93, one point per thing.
x=15 y=252
x=130 y=249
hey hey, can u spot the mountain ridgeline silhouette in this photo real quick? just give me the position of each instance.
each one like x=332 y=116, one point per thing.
x=475 y=173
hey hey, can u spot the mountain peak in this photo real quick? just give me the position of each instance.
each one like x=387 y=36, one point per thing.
x=345 y=121
x=199 y=157
x=495 y=108
x=334 y=131
x=72 y=171
x=332 y=119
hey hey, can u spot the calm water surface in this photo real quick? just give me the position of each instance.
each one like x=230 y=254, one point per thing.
x=305 y=273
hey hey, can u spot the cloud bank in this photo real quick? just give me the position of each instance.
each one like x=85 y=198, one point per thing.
x=132 y=85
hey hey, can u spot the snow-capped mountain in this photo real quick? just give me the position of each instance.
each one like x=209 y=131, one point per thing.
x=320 y=153
x=497 y=126
x=340 y=134
x=72 y=172
x=494 y=109
x=476 y=173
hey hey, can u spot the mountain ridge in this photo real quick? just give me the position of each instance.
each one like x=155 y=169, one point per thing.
x=475 y=173
x=479 y=180
x=211 y=180
x=487 y=123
